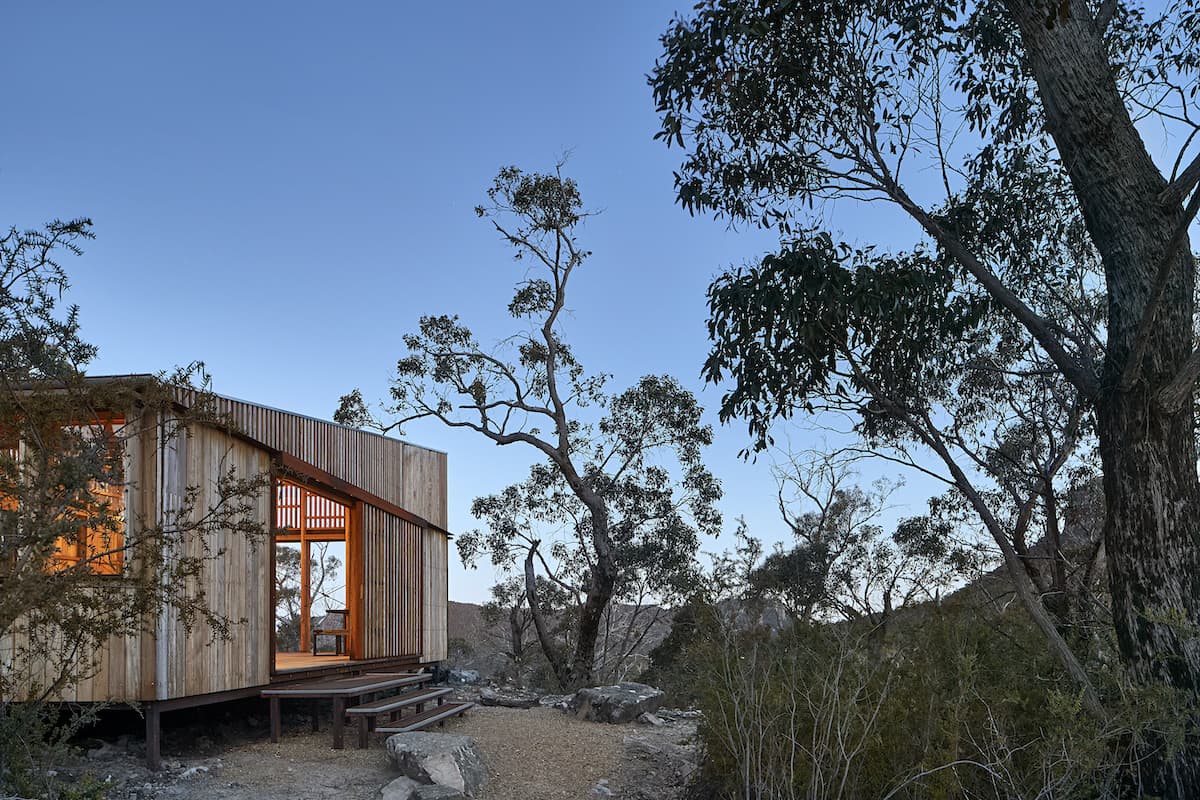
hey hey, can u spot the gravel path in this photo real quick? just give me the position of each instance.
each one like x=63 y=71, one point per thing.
x=533 y=754
x=542 y=753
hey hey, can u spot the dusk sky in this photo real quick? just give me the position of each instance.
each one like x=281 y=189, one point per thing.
x=282 y=189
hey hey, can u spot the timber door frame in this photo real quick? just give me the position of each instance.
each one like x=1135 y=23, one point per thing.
x=353 y=539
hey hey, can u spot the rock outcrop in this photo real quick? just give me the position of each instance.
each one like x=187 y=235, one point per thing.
x=447 y=759
x=622 y=702
x=508 y=698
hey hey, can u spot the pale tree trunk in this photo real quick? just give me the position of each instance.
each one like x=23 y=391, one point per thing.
x=1152 y=533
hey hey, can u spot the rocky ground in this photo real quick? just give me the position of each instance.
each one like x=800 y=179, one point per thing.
x=533 y=754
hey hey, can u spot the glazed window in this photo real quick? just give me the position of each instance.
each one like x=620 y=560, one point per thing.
x=99 y=543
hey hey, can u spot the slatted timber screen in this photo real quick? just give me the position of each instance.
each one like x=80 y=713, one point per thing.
x=324 y=514
x=391 y=585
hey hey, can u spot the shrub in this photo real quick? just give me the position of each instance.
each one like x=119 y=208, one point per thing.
x=954 y=705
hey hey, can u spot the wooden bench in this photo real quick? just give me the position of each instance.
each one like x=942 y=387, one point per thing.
x=416 y=722
x=367 y=713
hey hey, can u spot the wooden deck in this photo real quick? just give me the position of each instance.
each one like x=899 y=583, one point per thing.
x=340 y=690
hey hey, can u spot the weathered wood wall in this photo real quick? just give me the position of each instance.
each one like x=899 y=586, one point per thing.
x=236 y=582
x=434 y=596
x=166 y=660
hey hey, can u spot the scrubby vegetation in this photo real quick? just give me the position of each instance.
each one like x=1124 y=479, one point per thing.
x=953 y=702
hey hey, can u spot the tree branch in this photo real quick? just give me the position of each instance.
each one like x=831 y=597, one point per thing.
x=1173 y=396
x=1179 y=188
x=1104 y=15
x=1083 y=378
x=1141 y=341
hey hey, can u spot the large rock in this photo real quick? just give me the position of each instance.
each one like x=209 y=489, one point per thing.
x=447 y=759
x=560 y=701
x=508 y=698
x=623 y=702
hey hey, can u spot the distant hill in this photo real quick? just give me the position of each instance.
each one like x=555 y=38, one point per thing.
x=476 y=645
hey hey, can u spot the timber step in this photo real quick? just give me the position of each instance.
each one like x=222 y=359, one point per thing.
x=425 y=718
x=387 y=704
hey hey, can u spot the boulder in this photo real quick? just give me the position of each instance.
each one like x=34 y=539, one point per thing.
x=462 y=677
x=508 y=698
x=602 y=789
x=399 y=789
x=623 y=702
x=448 y=759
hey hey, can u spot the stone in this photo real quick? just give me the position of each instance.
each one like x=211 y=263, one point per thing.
x=601 y=789
x=462 y=677
x=400 y=789
x=650 y=719
x=104 y=752
x=560 y=701
x=508 y=698
x=449 y=759
x=655 y=768
x=435 y=792
x=679 y=714
x=622 y=702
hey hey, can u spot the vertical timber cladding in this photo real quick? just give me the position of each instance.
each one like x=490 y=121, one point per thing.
x=412 y=477
x=391 y=584
x=235 y=580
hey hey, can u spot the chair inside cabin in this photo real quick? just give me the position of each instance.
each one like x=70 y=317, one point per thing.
x=339 y=617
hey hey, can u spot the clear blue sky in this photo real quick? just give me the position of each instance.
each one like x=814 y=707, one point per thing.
x=282 y=189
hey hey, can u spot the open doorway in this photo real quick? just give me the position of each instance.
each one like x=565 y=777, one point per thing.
x=312 y=604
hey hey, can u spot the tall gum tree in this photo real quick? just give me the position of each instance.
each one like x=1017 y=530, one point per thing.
x=1011 y=107
x=624 y=473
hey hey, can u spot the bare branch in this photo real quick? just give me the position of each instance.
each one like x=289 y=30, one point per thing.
x=1179 y=188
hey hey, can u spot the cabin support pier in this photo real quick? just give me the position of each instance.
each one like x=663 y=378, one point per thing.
x=153 y=737
x=153 y=710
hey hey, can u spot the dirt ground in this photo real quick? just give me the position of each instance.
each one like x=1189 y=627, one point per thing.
x=534 y=754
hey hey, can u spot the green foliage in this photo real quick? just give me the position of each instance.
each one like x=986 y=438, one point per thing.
x=672 y=665
x=35 y=737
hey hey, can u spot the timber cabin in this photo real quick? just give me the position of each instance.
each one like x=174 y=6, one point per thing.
x=354 y=581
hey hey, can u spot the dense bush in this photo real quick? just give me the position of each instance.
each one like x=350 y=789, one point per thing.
x=952 y=704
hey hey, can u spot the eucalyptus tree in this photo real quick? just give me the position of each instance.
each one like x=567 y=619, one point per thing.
x=1026 y=114
x=623 y=473
x=843 y=563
